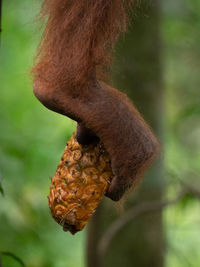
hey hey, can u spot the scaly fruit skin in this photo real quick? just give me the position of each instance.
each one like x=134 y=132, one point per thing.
x=81 y=180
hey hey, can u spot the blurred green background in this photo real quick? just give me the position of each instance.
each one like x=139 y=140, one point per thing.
x=32 y=140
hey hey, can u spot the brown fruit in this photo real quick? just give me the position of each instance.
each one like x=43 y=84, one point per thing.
x=80 y=182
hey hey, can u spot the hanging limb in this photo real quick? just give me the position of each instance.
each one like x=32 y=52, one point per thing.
x=71 y=63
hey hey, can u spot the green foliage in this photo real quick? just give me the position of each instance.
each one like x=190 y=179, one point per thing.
x=13 y=257
x=1 y=188
x=181 y=21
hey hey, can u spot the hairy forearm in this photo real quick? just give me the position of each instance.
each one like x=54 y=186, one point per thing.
x=109 y=115
x=74 y=53
x=102 y=110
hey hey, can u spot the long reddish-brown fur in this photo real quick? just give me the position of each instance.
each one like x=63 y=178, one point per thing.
x=73 y=57
x=78 y=39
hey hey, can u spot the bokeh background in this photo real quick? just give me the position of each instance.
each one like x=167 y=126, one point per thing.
x=158 y=65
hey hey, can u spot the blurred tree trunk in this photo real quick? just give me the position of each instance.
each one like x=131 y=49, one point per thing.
x=138 y=70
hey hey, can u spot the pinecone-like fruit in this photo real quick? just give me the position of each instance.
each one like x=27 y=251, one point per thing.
x=80 y=182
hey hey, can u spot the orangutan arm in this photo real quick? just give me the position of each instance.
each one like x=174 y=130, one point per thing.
x=73 y=55
x=108 y=114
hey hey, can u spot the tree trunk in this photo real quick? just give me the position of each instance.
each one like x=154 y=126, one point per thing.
x=138 y=70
